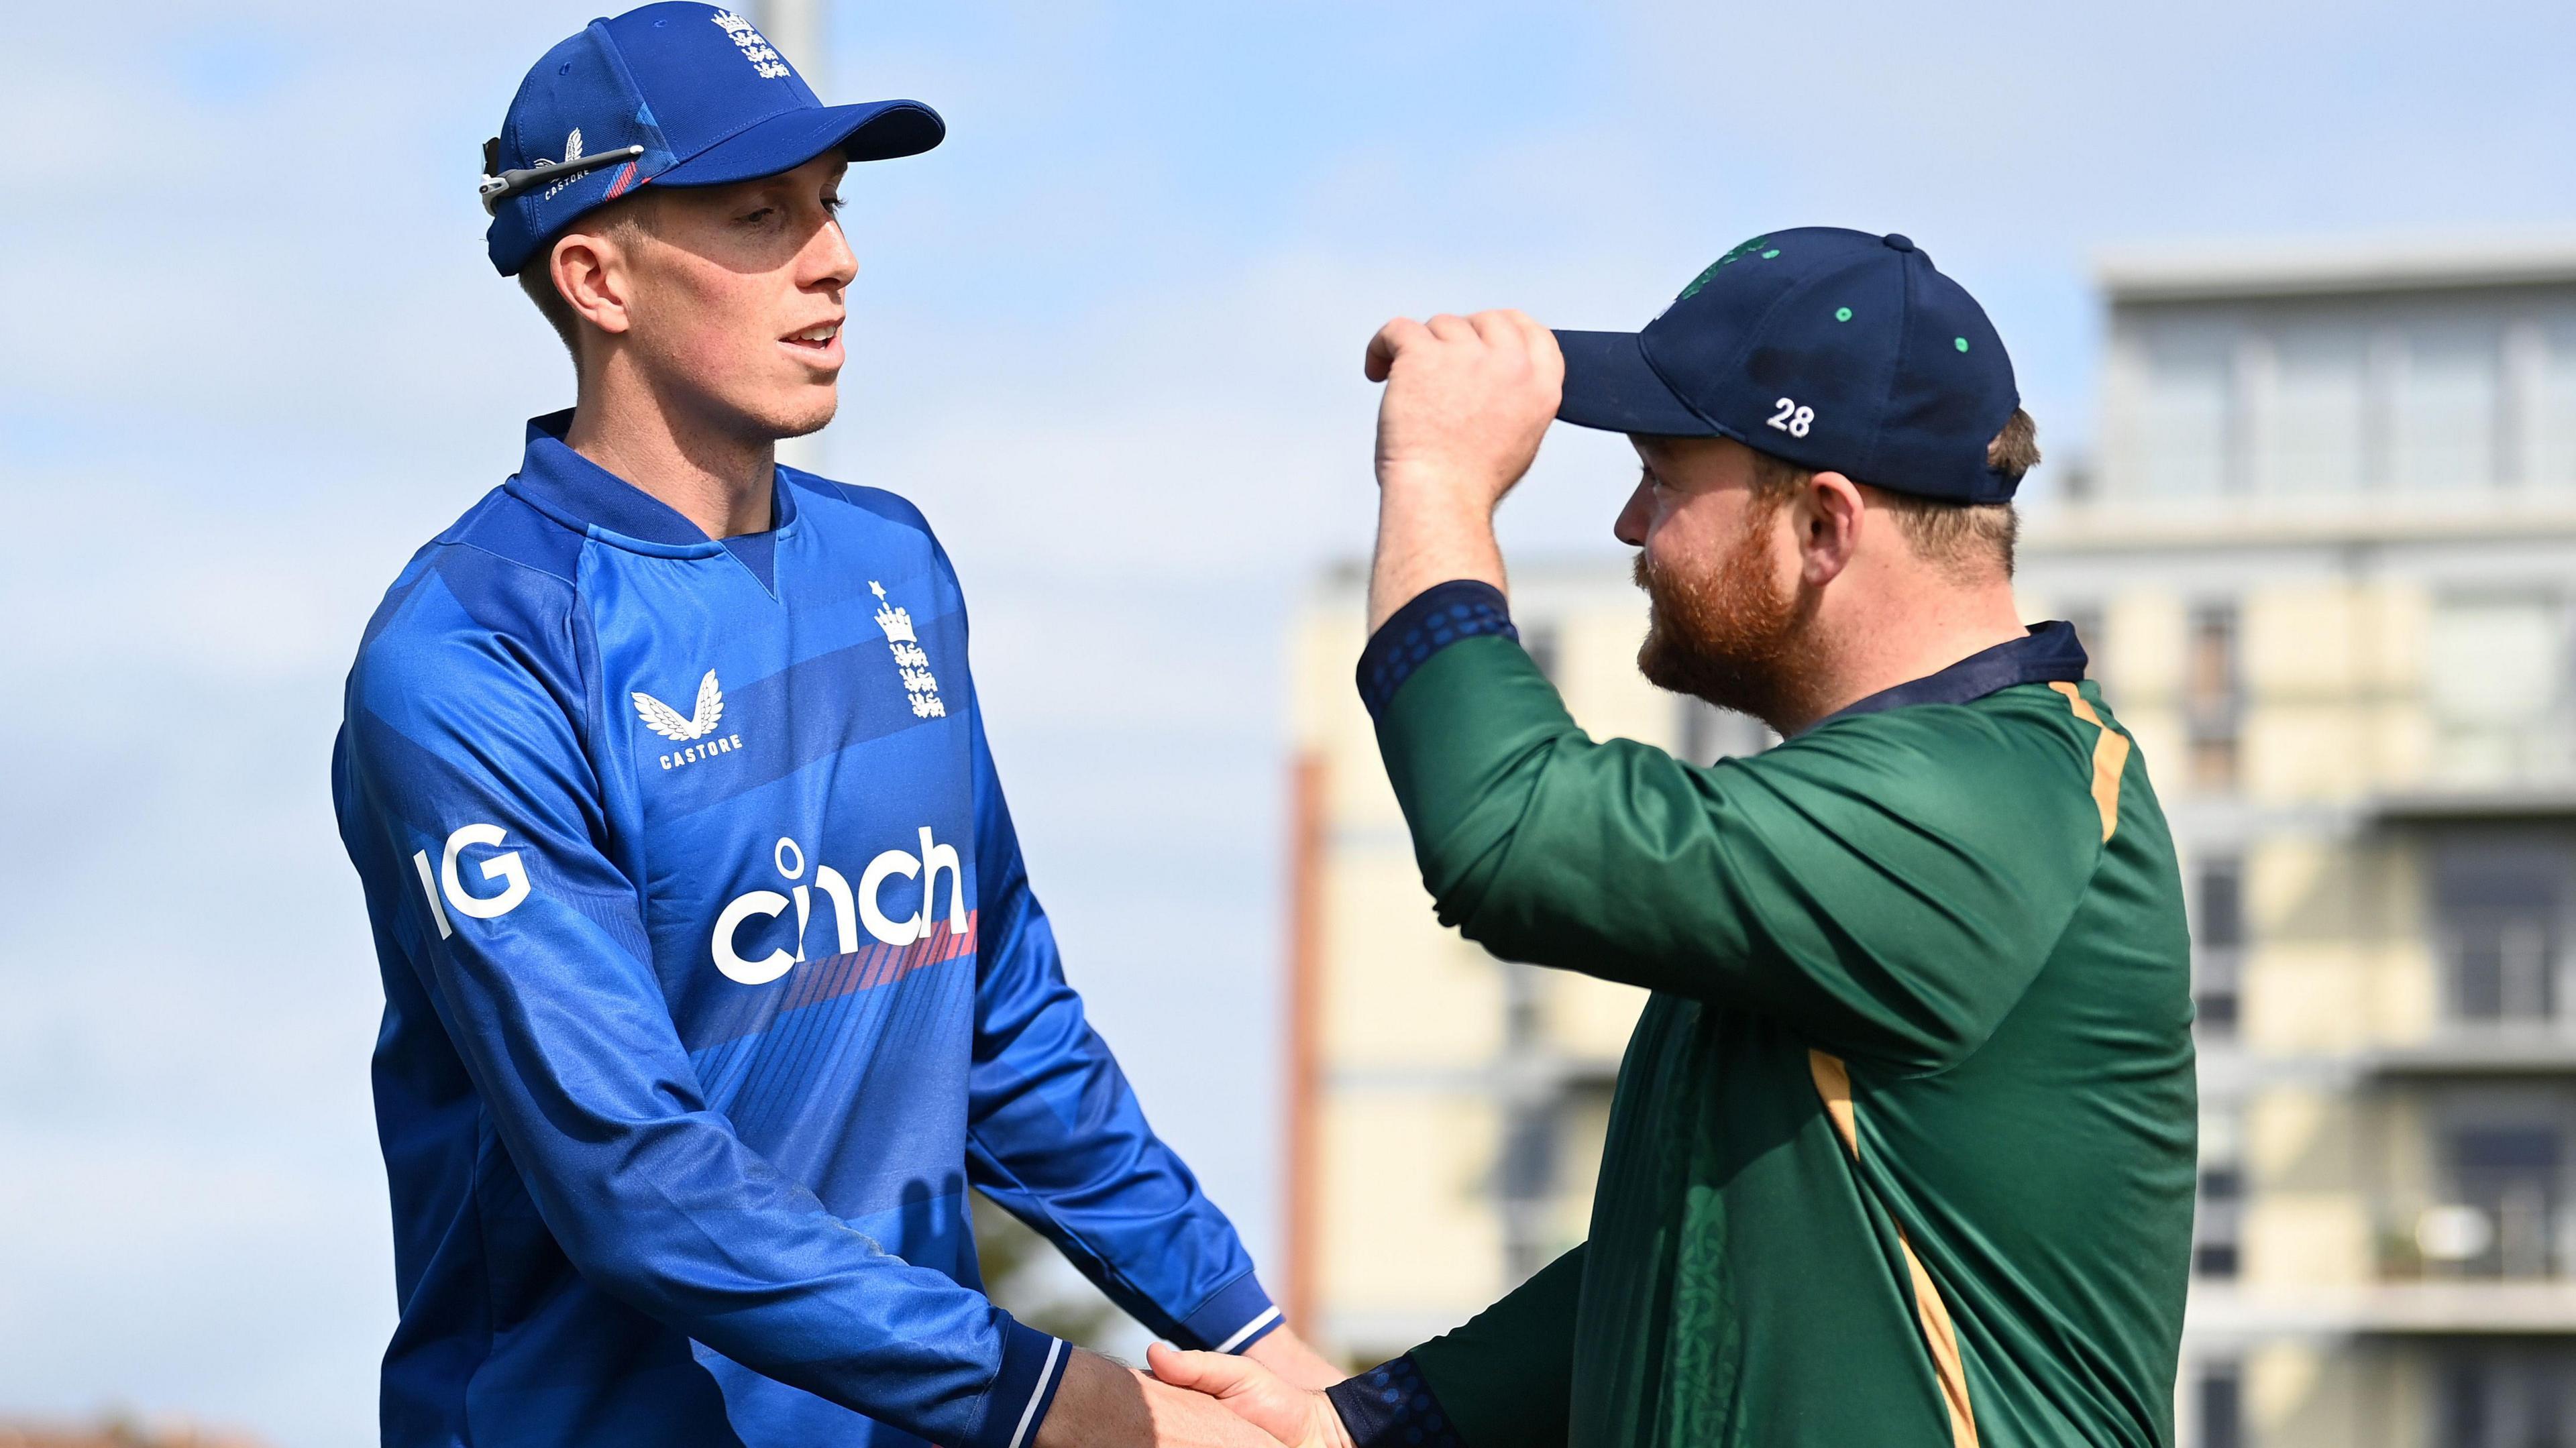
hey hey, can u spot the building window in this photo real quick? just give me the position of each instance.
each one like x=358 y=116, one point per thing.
x=2550 y=411
x=2218 y=929
x=1528 y=1169
x=2186 y=416
x=1525 y=1173
x=2499 y=911
x=2220 y=1411
x=1524 y=1008
x=2446 y=408
x=2218 y=1224
x=2498 y=680
x=2505 y=1190
x=2217 y=1250
x=1525 y=1183
x=2506 y=1395
x=2314 y=439
x=2464 y=1405
x=2213 y=705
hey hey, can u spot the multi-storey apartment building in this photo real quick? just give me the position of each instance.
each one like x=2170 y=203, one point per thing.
x=2325 y=560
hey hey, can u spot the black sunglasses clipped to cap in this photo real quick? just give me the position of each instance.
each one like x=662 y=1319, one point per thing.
x=499 y=186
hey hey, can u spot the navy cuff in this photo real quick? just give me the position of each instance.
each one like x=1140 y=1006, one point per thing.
x=1239 y=1315
x=1390 y=1406
x=1033 y=1365
x=1438 y=616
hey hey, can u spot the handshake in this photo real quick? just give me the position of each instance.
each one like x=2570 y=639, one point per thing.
x=1270 y=1396
x=1467 y=400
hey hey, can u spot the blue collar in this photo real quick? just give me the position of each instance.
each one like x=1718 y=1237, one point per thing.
x=581 y=494
x=2049 y=653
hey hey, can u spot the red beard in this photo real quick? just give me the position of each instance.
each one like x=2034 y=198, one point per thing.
x=1730 y=635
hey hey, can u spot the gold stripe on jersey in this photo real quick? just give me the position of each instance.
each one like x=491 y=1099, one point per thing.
x=1940 y=1334
x=2110 y=756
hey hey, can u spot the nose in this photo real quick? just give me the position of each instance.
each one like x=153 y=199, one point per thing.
x=828 y=262
x=1630 y=527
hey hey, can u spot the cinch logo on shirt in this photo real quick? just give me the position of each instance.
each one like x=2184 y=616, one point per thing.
x=500 y=867
x=851 y=909
x=671 y=724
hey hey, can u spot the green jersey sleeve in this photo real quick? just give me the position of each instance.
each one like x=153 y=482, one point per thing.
x=1887 y=884
x=1506 y=1378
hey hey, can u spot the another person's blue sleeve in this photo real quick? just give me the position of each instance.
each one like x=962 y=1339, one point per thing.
x=1056 y=1135
x=555 y=1009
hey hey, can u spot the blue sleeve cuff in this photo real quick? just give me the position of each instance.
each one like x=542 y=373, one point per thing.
x=1437 y=617
x=1033 y=1365
x=1239 y=1315
x=1391 y=1406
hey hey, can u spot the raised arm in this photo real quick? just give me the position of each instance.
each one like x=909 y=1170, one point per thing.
x=1837 y=882
x=1887 y=907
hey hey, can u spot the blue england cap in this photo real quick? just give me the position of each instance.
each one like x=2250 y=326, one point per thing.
x=1836 y=350
x=675 y=94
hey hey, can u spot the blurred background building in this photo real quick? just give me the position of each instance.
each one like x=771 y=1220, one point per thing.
x=2324 y=558
x=120 y=1431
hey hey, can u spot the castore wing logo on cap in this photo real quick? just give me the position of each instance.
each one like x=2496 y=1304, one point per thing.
x=572 y=153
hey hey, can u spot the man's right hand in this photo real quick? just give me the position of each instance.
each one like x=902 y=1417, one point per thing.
x=1103 y=1405
x=1297 y=1417
x=1467 y=400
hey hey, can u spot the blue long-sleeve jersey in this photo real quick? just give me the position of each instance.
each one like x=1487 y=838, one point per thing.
x=712 y=980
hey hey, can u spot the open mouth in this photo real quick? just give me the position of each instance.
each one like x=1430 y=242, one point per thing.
x=817 y=338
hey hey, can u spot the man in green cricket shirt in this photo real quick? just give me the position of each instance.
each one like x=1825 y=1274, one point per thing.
x=1902 y=1150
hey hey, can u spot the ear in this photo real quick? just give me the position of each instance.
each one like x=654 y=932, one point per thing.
x=1828 y=520
x=592 y=272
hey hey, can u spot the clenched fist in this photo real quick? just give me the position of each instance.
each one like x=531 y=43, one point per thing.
x=1467 y=400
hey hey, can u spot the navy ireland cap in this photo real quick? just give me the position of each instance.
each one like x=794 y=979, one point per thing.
x=675 y=94
x=1836 y=350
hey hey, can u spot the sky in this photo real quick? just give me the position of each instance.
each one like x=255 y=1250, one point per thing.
x=1108 y=336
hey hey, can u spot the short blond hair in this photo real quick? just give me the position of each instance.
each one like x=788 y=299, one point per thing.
x=1964 y=540
x=621 y=219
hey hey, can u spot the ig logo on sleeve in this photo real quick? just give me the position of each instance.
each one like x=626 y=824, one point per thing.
x=506 y=867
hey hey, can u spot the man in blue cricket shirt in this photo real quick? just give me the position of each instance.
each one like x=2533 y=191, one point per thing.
x=713 y=977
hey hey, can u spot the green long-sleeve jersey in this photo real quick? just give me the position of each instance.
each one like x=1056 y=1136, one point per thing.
x=1902 y=1148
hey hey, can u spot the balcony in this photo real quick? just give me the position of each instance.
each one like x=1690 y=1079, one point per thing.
x=2508 y=1233
x=2221 y=1313
x=2505 y=1267
x=2541 y=802
x=2480 y=1050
